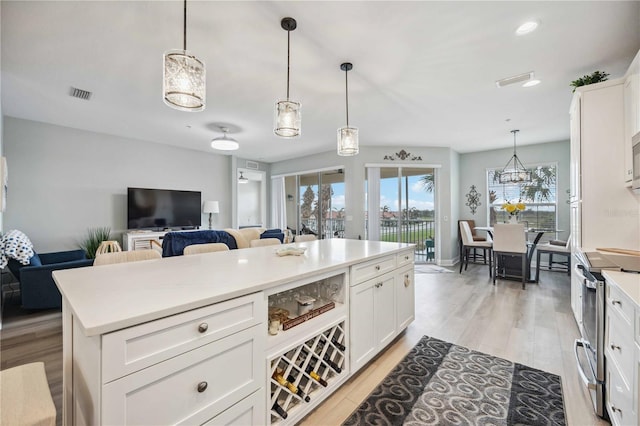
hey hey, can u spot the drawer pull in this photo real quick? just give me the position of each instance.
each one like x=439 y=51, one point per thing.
x=378 y=285
x=614 y=409
x=406 y=258
x=407 y=281
x=614 y=347
x=203 y=327
x=202 y=386
x=613 y=302
x=377 y=267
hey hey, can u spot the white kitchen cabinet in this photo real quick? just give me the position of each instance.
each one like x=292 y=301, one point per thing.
x=405 y=298
x=631 y=114
x=373 y=321
x=607 y=210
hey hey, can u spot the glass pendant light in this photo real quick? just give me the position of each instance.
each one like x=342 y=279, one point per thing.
x=287 y=112
x=514 y=171
x=225 y=143
x=347 y=136
x=184 y=77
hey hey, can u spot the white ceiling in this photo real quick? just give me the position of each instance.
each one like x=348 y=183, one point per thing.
x=424 y=72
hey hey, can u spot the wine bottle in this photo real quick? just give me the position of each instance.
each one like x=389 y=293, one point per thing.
x=332 y=364
x=300 y=393
x=315 y=376
x=277 y=376
x=278 y=409
x=338 y=344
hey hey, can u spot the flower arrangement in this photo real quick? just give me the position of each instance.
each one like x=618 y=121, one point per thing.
x=514 y=208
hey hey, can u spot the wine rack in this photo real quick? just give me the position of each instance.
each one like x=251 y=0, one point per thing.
x=303 y=373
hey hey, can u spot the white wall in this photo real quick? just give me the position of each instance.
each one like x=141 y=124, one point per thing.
x=64 y=181
x=473 y=171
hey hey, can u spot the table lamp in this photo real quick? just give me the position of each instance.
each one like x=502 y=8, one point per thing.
x=211 y=207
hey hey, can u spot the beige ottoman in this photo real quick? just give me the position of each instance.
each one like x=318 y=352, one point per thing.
x=24 y=396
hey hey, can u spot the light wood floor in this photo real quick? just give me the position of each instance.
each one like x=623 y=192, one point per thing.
x=533 y=327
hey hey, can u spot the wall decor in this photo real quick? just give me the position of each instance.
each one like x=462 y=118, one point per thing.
x=403 y=155
x=473 y=199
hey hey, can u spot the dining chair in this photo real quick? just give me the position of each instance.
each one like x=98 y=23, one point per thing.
x=509 y=240
x=554 y=248
x=468 y=244
x=205 y=248
x=125 y=256
x=25 y=397
x=265 y=242
x=301 y=238
x=476 y=237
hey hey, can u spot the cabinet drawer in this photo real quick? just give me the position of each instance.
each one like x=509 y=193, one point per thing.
x=135 y=348
x=405 y=258
x=168 y=393
x=249 y=411
x=619 y=347
x=619 y=399
x=367 y=270
x=619 y=303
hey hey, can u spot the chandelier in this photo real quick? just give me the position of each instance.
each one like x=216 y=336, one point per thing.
x=184 y=77
x=514 y=171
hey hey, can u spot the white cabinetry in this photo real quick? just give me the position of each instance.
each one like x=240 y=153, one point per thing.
x=195 y=363
x=631 y=114
x=621 y=353
x=141 y=240
x=381 y=306
x=577 y=280
x=604 y=211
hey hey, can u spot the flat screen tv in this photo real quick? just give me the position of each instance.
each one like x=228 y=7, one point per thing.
x=163 y=208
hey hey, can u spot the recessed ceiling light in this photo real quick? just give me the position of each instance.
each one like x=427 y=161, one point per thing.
x=531 y=83
x=527 y=27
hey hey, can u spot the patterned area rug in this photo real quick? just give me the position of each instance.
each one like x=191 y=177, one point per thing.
x=439 y=383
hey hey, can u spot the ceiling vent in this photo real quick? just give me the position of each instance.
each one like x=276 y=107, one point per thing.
x=81 y=94
x=252 y=165
x=515 y=79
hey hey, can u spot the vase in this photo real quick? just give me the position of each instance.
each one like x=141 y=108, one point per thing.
x=513 y=220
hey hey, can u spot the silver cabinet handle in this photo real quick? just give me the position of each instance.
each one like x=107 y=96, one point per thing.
x=407 y=281
x=614 y=409
x=406 y=258
x=202 y=386
x=618 y=302
x=614 y=347
x=379 y=285
x=203 y=327
x=377 y=267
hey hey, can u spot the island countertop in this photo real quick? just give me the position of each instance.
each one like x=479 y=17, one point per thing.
x=111 y=297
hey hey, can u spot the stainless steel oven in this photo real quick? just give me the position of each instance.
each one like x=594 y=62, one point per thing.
x=589 y=349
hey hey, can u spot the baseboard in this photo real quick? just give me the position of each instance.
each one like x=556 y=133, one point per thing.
x=449 y=262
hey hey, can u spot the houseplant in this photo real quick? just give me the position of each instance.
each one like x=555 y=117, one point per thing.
x=595 y=77
x=94 y=237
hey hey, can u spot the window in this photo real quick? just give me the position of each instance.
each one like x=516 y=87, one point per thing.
x=539 y=195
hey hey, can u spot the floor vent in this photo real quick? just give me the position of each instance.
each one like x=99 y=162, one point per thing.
x=81 y=94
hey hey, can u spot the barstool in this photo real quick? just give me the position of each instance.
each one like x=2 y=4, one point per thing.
x=25 y=397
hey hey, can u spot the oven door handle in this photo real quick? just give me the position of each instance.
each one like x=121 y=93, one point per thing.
x=582 y=277
x=590 y=383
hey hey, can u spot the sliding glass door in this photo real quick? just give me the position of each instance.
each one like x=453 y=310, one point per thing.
x=401 y=207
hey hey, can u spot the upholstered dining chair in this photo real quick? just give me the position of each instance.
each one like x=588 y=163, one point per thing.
x=554 y=248
x=509 y=240
x=468 y=244
x=265 y=242
x=475 y=236
x=125 y=256
x=205 y=248
x=301 y=238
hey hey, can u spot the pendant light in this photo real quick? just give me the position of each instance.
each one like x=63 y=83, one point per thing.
x=242 y=179
x=347 y=136
x=184 y=77
x=514 y=171
x=224 y=143
x=287 y=113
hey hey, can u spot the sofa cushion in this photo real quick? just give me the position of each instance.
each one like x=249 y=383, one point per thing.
x=35 y=260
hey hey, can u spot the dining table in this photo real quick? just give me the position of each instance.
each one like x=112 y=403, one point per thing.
x=531 y=245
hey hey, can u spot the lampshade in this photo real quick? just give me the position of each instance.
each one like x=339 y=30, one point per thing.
x=225 y=143
x=514 y=171
x=184 y=77
x=287 y=114
x=347 y=136
x=211 y=207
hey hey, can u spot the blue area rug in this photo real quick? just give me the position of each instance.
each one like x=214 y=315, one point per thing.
x=439 y=383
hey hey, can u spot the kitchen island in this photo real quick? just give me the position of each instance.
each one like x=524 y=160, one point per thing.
x=189 y=337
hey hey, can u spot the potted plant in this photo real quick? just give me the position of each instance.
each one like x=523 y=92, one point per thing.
x=95 y=236
x=595 y=77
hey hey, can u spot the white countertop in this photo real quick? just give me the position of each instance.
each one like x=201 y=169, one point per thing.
x=627 y=282
x=110 y=297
